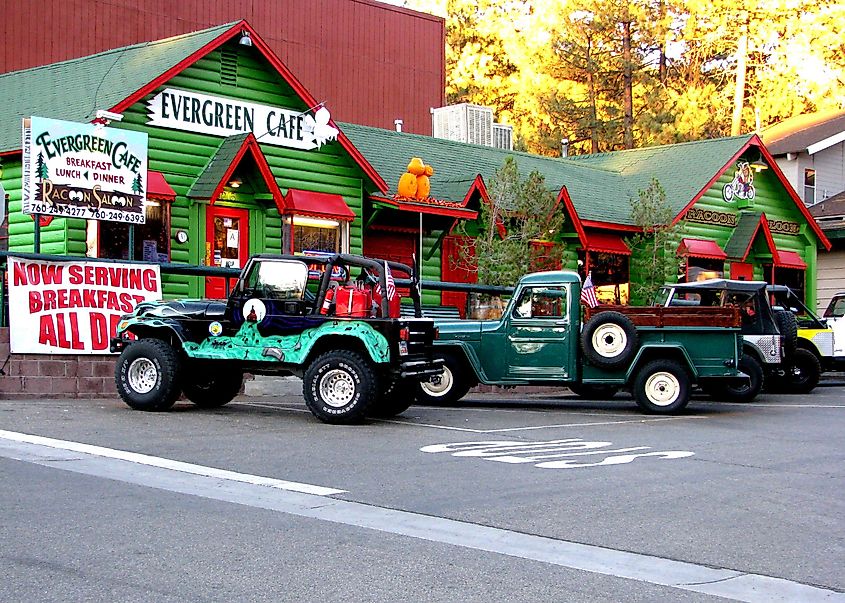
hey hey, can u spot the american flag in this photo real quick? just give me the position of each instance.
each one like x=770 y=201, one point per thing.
x=391 y=284
x=588 y=292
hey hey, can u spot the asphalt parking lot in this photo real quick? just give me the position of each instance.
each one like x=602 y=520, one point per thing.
x=510 y=496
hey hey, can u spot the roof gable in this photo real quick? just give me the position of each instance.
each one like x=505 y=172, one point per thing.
x=74 y=90
x=119 y=78
x=805 y=132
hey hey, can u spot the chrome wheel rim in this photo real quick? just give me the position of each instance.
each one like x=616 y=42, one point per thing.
x=142 y=375
x=609 y=340
x=337 y=388
x=439 y=385
x=662 y=388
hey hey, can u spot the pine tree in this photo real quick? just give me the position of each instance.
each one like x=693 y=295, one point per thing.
x=41 y=170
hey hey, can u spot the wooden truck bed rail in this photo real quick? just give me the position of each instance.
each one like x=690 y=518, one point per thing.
x=673 y=316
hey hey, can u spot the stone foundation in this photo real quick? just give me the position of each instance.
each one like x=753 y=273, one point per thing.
x=25 y=376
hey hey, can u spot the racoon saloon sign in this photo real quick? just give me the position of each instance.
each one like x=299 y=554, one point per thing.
x=84 y=171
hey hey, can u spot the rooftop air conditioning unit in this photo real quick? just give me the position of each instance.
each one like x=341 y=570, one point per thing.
x=463 y=123
x=503 y=137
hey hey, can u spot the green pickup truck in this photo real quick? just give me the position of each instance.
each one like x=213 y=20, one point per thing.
x=658 y=353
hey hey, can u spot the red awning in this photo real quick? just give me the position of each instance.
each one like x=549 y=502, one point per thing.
x=701 y=248
x=606 y=242
x=790 y=259
x=320 y=205
x=157 y=187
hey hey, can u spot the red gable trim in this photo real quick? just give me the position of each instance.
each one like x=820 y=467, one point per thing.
x=563 y=195
x=251 y=144
x=790 y=259
x=321 y=205
x=701 y=248
x=756 y=142
x=158 y=188
x=606 y=242
x=280 y=67
x=610 y=226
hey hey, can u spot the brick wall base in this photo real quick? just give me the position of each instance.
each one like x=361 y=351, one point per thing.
x=25 y=376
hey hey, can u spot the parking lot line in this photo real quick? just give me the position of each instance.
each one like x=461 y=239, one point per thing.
x=154 y=461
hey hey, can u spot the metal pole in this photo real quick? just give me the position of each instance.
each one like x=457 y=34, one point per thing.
x=36 y=242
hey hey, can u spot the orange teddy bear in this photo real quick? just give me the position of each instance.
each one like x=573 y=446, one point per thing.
x=415 y=182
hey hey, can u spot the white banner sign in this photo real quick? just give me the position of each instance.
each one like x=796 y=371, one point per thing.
x=218 y=116
x=73 y=307
x=85 y=171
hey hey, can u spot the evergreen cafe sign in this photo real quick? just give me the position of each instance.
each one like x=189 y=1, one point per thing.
x=206 y=114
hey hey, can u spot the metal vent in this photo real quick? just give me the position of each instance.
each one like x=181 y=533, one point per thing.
x=229 y=66
x=503 y=136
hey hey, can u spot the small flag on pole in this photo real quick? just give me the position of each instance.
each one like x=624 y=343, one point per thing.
x=391 y=284
x=588 y=292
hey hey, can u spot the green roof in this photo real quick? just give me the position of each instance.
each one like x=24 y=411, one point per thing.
x=600 y=186
x=746 y=227
x=206 y=183
x=74 y=90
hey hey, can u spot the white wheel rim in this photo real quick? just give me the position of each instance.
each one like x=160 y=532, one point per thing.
x=142 y=375
x=439 y=385
x=337 y=388
x=662 y=388
x=609 y=340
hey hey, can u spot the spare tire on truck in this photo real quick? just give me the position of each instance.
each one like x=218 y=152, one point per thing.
x=609 y=340
x=788 y=327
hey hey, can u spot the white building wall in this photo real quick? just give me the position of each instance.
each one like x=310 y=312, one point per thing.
x=831 y=275
x=830 y=171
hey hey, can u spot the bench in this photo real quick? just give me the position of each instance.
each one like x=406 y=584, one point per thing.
x=428 y=311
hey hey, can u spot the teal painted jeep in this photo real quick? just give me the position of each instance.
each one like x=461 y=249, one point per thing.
x=321 y=318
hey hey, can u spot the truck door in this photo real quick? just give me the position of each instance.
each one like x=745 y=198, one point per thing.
x=539 y=334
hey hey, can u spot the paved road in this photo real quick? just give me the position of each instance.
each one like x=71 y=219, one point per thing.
x=507 y=498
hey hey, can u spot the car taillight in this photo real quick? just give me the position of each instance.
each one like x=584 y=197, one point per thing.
x=437 y=332
x=404 y=334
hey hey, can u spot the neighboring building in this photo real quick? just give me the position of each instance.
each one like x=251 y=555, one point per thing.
x=830 y=214
x=371 y=62
x=810 y=151
x=471 y=123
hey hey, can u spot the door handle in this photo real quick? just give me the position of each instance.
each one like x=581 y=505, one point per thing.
x=561 y=322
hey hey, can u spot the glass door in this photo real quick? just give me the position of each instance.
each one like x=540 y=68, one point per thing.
x=227 y=244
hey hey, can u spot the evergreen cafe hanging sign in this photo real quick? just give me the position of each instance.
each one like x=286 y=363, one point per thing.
x=218 y=116
x=76 y=170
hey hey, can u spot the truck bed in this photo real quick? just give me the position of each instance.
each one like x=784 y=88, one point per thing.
x=673 y=316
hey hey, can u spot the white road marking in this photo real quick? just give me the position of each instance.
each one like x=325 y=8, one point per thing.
x=227 y=486
x=154 y=461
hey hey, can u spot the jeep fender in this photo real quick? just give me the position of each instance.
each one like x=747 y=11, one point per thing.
x=650 y=352
x=462 y=351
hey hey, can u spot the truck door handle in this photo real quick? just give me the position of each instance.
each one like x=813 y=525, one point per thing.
x=561 y=322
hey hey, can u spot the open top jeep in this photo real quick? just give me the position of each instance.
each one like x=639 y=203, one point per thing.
x=332 y=320
x=770 y=342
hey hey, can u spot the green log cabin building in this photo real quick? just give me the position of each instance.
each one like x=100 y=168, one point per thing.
x=213 y=170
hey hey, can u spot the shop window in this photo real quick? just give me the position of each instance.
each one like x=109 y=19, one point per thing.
x=699 y=269
x=152 y=239
x=312 y=234
x=611 y=276
x=792 y=278
x=809 y=187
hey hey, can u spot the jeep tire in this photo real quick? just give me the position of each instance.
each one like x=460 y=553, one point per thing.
x=397 y=397
x=803 y=371
x=147 y=375
x=339 y=387
x=211 y=385
x=662 y=387
x=788 y=327
x=446 y=388
x=747 y=392
x=609 y=340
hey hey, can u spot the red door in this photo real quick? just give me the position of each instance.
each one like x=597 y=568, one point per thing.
x=226 y=245
x=742 y=271
x=454 y=269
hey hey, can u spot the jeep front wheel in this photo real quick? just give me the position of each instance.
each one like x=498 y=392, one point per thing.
x=146 y=375
x=339 y=387
x=662 y=387
x=446 y=388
